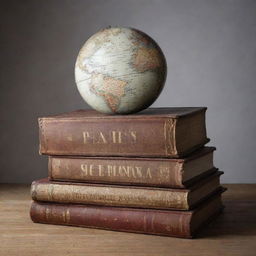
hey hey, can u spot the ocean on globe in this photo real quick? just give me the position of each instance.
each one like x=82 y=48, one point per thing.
x=120 y=71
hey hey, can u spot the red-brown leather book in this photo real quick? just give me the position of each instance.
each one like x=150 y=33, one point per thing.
x=160 y=172
x=183 y=224
x=125 y=196
x=160 y=132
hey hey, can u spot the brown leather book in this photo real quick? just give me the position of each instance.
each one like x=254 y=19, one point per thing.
x=160 y=132
x=160 y=172
x=125 y=196
x=183 y=224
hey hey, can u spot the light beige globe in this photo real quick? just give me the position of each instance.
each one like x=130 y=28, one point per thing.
x=120 y=71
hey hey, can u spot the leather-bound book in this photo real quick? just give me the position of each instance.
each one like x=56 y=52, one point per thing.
x=160 y=172
x=125 y=196
x=160 y=132
x=183 y=224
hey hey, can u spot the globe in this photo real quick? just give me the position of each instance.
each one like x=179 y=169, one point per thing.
x=120 y=71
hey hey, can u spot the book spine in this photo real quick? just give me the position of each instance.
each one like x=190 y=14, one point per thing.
x=110 y=196
x=162 y=173
x=108 y=137
x=156 y=222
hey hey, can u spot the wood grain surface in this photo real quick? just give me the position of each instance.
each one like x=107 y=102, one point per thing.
x=233 y=233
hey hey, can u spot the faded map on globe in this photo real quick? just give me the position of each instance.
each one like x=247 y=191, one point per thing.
x=120 y=70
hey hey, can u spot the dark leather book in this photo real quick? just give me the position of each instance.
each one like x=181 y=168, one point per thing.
x=183 y=224
x=160 y=172
x=125 y=196
x=160 y=132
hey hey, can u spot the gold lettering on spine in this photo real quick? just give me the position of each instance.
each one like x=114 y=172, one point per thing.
x=134 y=136
x=126 y=171
x=47 y=213
x=169 y=135
x=116 y=137
x=132 y=171
x=164 y=174
x=138 y=171
x=102 y=138
x=87 y=170
x=135 y=172
x=178 y=173
x=119 y=137
x=101 y=170
x=148 y=173
x=91 y=170
x=66 y=216
x=86 y=136
x=84 y=169
x=111 y=169
x=183 y=223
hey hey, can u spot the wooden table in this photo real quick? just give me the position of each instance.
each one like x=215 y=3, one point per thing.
x=233 y=233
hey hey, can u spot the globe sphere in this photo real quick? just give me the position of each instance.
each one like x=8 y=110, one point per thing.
x=120 y=71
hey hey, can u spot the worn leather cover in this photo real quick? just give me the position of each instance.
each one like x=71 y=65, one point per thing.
x=162 y=132
x=125 y=196
x=160 y=172
x=183 y=224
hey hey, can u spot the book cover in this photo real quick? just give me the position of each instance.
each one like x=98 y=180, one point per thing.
x=125 y=196
x=183 y=224
x=159 y=172
x=161 y=132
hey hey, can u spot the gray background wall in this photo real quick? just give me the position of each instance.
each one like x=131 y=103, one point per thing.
x=210 y=46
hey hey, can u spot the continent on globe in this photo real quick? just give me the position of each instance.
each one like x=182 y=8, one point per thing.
x=120 y=71
x=110 y=88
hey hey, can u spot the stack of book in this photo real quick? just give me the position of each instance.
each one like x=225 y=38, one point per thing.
x=146 y=173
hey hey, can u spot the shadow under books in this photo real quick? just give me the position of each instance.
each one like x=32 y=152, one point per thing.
x=237 y=219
